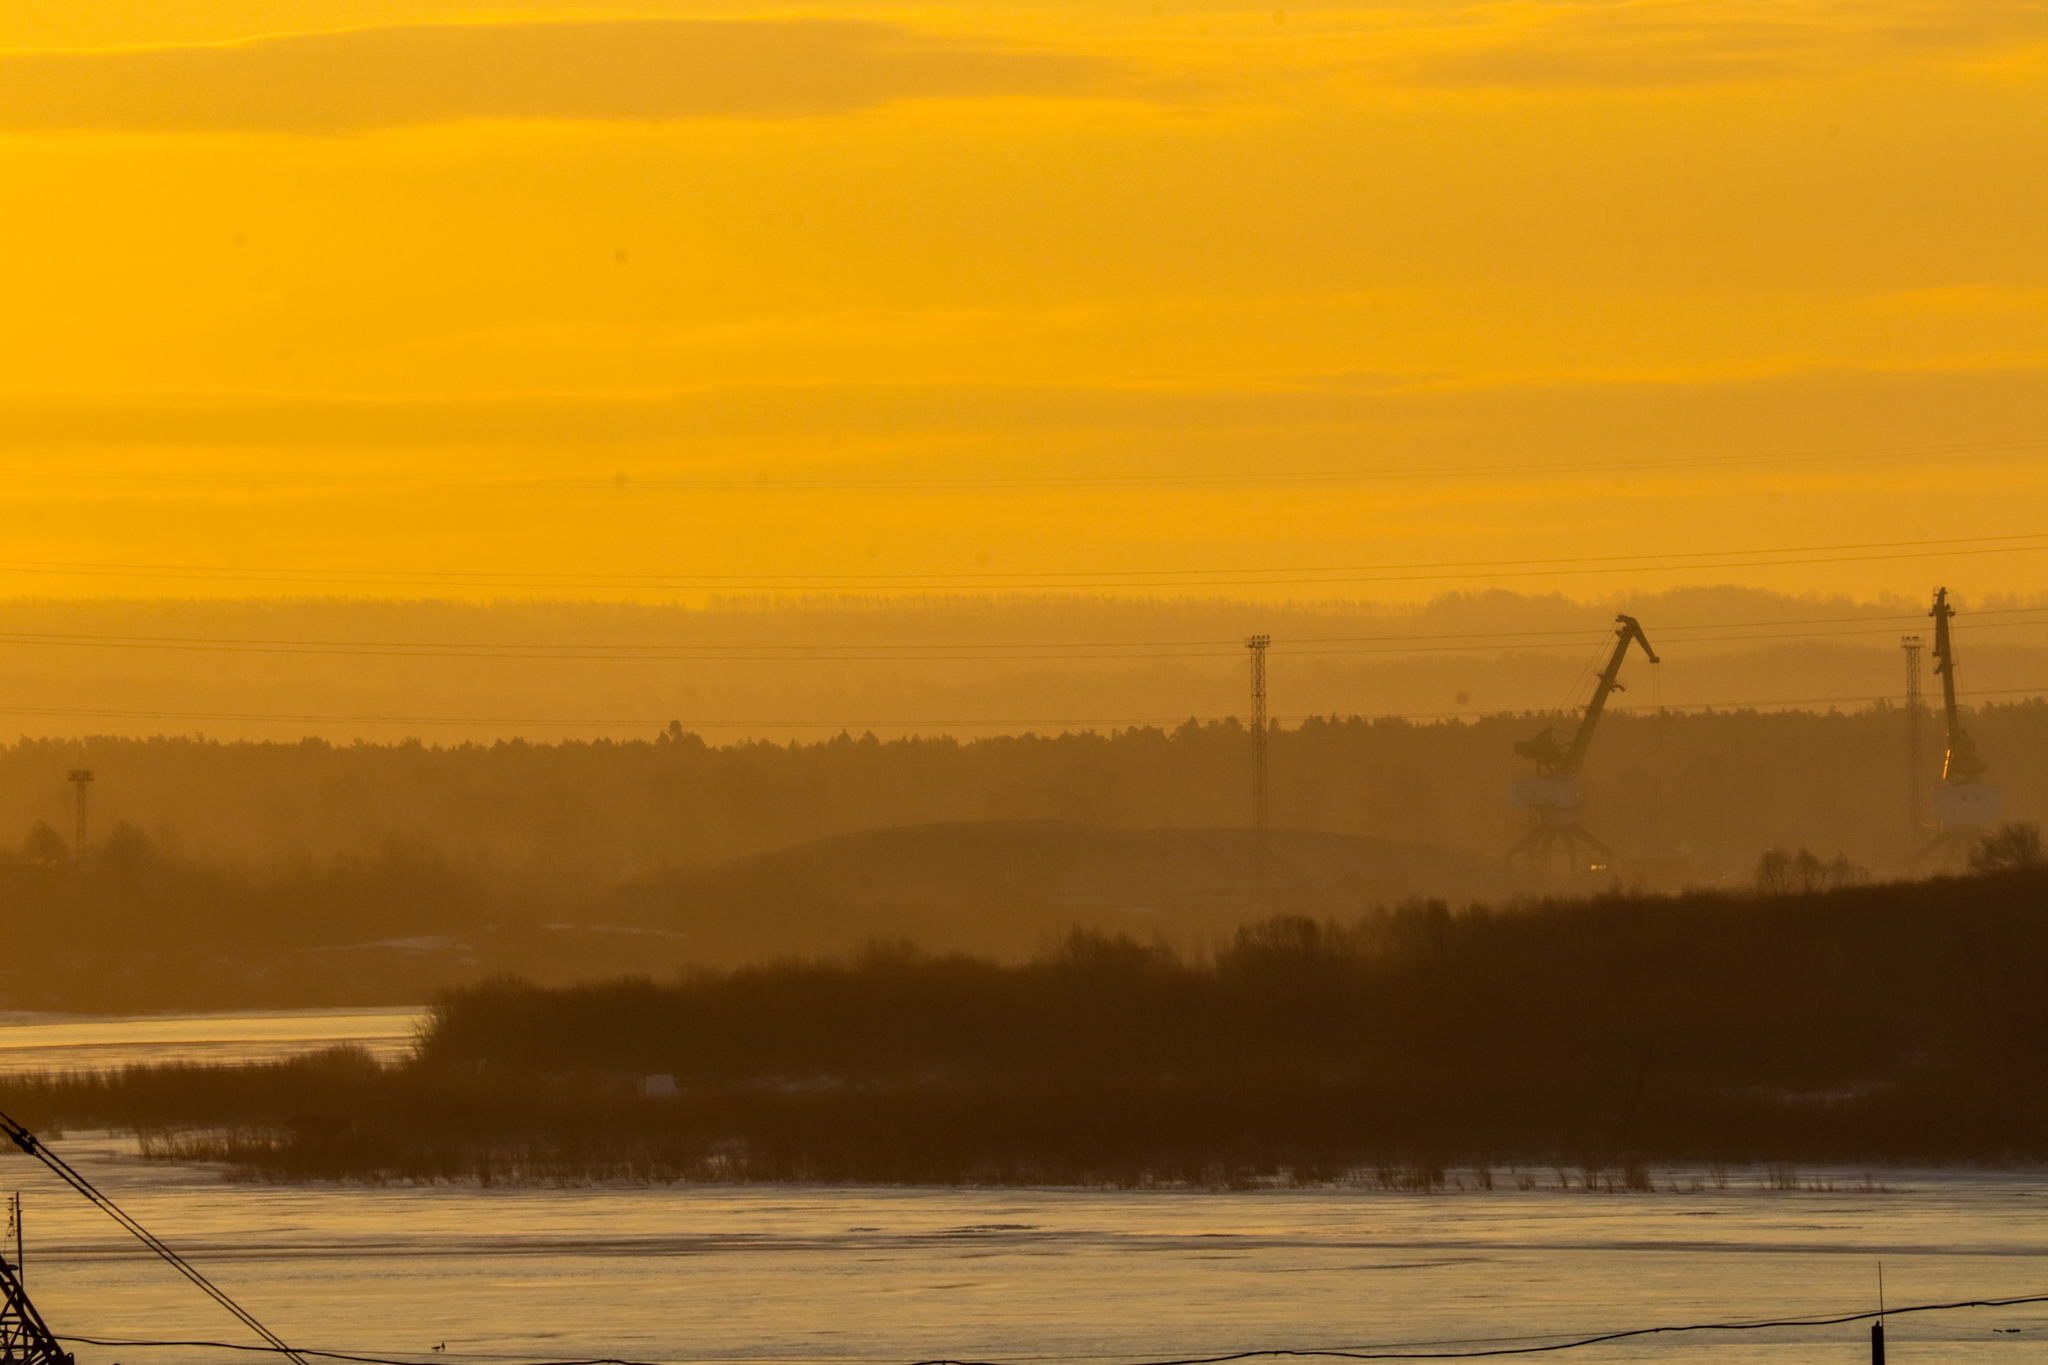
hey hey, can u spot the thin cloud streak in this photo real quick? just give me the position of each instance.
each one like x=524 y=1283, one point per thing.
x=1319 y=403
x=1653 y=44
x=618 y=70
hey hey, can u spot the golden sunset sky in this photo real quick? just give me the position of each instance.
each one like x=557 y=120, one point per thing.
x=667 y=301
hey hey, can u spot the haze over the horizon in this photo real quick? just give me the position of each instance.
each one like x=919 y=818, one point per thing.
x=781 y=669
x=657 y=302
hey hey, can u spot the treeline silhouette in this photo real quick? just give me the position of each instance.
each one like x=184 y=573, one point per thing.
x=1714 y=789
x=133 y=927
x=1874 y=1022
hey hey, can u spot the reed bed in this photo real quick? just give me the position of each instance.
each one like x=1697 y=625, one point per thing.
x=1868 y=1023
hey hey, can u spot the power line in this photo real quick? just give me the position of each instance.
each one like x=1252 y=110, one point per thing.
x=1484 y=641
x=764 y=482
x=33 y=1146
x=1787 y=636
x=1283 y=1353
x=1053 y=579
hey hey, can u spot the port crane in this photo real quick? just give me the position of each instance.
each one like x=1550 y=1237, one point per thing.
x=1552 y=796
x=24 y=1338
x=1962 y=804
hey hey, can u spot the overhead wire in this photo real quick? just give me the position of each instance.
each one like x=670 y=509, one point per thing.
x=1097 y=651
x=729 y=651
x=1051 y=579
x=763 y=481
x=33 y=1146
x=1403 y=1352
x=1235 y=643
x=935 y=725
x=1588 y=666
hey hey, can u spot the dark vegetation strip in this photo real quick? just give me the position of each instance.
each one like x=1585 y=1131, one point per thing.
x=1889 y=1022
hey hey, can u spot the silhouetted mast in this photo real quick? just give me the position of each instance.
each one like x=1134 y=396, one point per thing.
x=1911 y=645
x=1257 y=645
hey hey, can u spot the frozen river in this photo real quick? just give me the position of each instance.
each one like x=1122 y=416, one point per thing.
x=821 y=1274
x=833 y=1274
x=62 y=1042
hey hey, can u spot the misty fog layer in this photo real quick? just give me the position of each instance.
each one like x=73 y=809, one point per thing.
x=306 y=874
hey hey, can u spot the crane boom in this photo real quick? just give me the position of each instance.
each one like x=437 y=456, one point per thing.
x=1626 y=629
x=1963 y=763
x=1555 y=759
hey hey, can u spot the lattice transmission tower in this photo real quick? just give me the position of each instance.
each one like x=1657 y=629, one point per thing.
x=24 y=1338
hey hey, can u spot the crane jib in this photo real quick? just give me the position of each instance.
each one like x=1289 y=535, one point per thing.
x=1627 y=630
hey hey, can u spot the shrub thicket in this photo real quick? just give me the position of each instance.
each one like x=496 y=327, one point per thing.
x=1874 y=1021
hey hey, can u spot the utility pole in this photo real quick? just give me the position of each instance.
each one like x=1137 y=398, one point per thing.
x=79 y=778
x=1911 y=645
x=1257 y=645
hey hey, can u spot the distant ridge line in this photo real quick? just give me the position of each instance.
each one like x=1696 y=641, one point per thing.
x=890 y=724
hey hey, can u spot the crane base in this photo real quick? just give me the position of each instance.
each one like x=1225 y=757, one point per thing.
x=1950 y=845
x=1559 y=845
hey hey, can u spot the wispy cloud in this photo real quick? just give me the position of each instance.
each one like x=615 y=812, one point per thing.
x=1314 y=403
x=1649 y=43
x=404 y=75
x=391 y=76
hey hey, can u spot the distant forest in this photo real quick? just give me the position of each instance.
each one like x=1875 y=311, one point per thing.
x=250 y=874
x=1874 y=1023
x=1717 y=788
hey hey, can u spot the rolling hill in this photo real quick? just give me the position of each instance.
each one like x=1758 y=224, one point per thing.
x=1004 y=887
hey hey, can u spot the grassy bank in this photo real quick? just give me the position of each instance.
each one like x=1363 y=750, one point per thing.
x=1892 y=1022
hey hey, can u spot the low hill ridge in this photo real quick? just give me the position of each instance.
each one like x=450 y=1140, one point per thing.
x=1003 y=885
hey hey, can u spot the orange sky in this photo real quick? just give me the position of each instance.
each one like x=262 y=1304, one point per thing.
x=401 y=299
